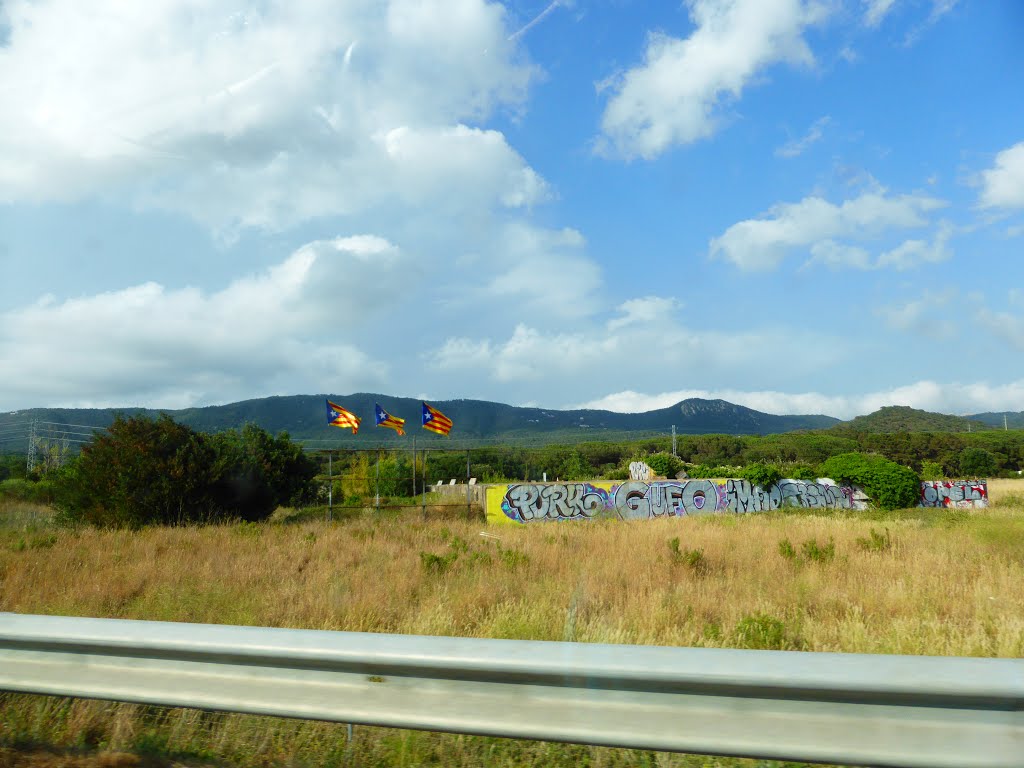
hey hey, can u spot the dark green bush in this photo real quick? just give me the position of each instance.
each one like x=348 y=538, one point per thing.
x=802 y=472
x=664 y=464
x=764 y=475
x=146 y=471
x=888 y=484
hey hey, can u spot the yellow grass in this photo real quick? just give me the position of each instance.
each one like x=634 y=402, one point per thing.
x=937 y=582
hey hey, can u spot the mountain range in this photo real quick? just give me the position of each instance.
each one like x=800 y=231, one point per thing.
x=304 y=418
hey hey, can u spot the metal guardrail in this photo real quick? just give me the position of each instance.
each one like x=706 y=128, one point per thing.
x=824 y=707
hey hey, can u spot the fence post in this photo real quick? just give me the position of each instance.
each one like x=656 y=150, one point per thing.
x=376 y=501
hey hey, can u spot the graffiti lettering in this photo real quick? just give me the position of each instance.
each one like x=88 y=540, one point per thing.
x=640 y=500
x=557 y=501
x=954 y=493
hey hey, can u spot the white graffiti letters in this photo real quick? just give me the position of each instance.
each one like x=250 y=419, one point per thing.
x=555 y=501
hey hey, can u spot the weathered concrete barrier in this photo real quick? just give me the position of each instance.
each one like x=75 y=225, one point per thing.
x=639 y=499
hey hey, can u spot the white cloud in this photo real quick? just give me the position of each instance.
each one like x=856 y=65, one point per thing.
x=1003 y=183
x=926 y=316
x=816 y=224
x=648 y=309
x=261 y=114
x=876 y=10
x=797 y=147
x=1005 y=325
x=674 y=97
x=642 y=337
x=171 y=348
x=977 y=397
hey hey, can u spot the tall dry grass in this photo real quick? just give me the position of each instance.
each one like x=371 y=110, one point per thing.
x=937 y=582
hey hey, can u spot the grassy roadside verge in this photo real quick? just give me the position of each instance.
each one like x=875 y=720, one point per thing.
x=937 y=582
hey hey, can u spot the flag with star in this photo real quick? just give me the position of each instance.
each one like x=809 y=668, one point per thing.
x=385 y=419
x=339 y=417
x=436 y=421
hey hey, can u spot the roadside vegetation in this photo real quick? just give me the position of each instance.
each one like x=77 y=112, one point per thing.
x=155 y=521
x=912 y=581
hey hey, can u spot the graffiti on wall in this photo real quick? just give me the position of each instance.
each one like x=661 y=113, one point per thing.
x=638 y=500
x=954 y=493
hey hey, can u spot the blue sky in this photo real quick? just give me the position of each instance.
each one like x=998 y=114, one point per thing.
x=797 y=205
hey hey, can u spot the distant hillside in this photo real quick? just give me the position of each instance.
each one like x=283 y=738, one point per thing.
x=1013 y=420
x=303 y=417
x=900 y=418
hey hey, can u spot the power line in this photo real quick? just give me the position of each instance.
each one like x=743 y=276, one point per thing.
x=83 y=426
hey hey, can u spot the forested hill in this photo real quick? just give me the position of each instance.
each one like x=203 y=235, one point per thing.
x=304 y=417
x=1007 y=419
x=899 y=418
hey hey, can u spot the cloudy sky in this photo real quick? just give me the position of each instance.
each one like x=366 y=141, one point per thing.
x=797 y=205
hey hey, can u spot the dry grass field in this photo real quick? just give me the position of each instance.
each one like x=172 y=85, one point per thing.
x=935 y=582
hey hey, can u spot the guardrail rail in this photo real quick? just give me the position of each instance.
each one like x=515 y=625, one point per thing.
x=821 y=707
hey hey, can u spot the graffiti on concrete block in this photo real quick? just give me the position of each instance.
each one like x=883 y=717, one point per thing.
x=954 y=493
x=555 y=501
x=640 y=500
x=639 y=470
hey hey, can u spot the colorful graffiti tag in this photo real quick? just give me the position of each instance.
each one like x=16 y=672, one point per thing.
x=954 y=493
x=639 y=500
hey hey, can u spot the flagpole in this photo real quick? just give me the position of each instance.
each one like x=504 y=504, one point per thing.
x=330 y=487
x=414 y=464
x=469 y=509
x=423 y=485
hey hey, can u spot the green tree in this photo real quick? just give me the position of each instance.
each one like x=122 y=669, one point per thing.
x=141 y=471
x=888 y=484
x=146 y=471
x=977 y=462
x=259 y=472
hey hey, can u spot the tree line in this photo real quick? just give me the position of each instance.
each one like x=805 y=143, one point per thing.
x=147 y=470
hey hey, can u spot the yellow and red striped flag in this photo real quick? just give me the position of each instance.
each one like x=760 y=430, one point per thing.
x=385 y=419
x=339 y=417
x=436 y=421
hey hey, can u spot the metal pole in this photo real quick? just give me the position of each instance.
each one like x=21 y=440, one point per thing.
x=423 y=484
x=674 y=453
x=377 y=492
x=30 y=460
x=469 y=508
x=330 y=487
x=414 y=465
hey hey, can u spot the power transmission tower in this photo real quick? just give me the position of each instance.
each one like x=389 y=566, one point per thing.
x=30 y=461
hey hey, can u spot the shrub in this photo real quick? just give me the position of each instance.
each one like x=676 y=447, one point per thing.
x=146 y=471
x=875 y=542
x=888 y=484
x=932 y=470
x=693 y=558
x=819 y=553
x=617 y=474
x=803 y=472
x=764 y=475
x=786 y=550
x=760 y=632
x=664 y=464
x=438 y=563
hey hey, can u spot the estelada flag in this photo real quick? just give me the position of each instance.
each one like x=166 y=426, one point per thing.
x=385 y=419
x=436 y=421
x=339 y=417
